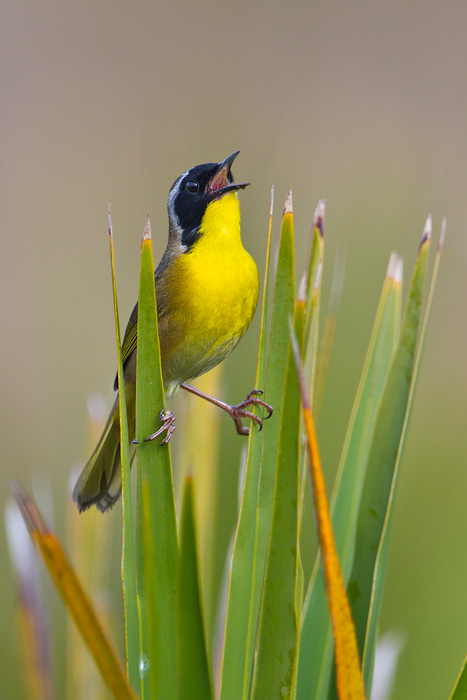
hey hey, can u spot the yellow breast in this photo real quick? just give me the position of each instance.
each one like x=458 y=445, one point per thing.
x=213 y=296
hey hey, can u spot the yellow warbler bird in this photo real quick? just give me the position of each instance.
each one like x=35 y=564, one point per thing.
x=206 y=291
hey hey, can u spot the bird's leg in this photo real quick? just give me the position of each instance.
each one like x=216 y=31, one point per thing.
x=168 y=426
x=239 y=411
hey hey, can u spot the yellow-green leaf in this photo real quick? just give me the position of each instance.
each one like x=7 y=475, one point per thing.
x=74 y=597
x=244 y=597
x=381 y=473
x=193 y=671
x=348 y=672
x=274 y=672
x=132 y=630
x=316 y=652
x=382 y=554
x=157 y=546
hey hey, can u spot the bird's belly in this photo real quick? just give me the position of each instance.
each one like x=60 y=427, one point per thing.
x=210 y=312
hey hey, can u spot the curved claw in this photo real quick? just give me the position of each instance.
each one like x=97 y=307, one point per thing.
x=238 y=412
x=168 y=426
x=266 y=406
x=253 y=400
x=258 y=402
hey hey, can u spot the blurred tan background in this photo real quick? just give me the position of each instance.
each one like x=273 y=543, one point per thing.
x=364 y=104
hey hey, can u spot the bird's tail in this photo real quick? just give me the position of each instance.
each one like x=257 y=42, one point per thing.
x=100 y=482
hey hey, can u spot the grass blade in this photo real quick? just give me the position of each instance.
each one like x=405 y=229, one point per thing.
x=282 y=311
x=328 y=334
x=193 y=672
x=313 y=283
x=274 y=672
x=381 y=559
x=74 y=597
x=132 y=631
x=348 y=672
x=198 y=454
x=382 y=461
x=32 y=623
x=89 y=542
x=241 y=619
x=316 y=653
x=157 y=547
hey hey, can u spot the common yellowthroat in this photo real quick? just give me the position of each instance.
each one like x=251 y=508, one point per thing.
x=206 y=292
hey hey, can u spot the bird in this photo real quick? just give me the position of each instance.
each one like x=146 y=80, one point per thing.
x=207 y=290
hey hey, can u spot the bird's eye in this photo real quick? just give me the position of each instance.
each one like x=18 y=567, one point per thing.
x=192 y=186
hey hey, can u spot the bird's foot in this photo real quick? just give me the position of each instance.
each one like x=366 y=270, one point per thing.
x=239 y=411
x=168 y=426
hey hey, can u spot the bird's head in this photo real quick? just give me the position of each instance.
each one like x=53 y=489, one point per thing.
x=194 y=191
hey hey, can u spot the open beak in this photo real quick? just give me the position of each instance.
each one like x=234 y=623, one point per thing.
x=221 y=182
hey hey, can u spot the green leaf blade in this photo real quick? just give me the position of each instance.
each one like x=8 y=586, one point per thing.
x=382 y=555
x=316 y=648
x=274 y=672
x=193 y=676
x=157 y=546
x=378 y=489
x=313 y=294
x=240 y=629
x=283 y=309
x=130 y=604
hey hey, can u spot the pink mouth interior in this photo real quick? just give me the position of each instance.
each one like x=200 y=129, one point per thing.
x=219 y=181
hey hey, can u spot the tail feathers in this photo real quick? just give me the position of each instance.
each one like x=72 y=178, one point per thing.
x=100 y=482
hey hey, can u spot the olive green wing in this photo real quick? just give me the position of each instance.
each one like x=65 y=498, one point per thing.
x=129 y=340
x=131 y=334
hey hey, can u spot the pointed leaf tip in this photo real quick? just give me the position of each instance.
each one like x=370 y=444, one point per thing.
x=147 y=229
x=443 y=232
x=298 y=364
x=394 y=271
x=318 y=221
x=29 y=511
x=301 y=296
x=427 y=231
x=318 y=274
x=399 y=271
x=109 y=220
x=391 y=264
x=288 y=208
